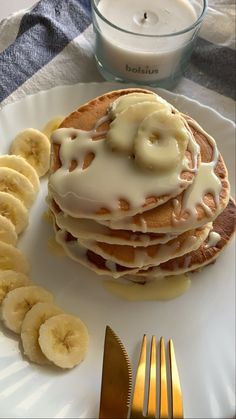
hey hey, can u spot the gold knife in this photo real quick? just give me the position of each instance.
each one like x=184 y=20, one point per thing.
x=116 y=379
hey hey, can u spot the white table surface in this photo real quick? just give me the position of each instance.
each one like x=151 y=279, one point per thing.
x=8 y=7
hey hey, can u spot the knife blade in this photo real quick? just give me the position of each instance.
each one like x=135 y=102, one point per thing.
x=116 y=379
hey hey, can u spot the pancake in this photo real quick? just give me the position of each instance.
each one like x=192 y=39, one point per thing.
x=224 y=226
x=177 y=215
x=89 y=259
x=144 y=190
x=134 y=257
x=82 y=228
x=135 y=187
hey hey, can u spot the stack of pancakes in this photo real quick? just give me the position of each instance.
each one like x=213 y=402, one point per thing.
x=120 y=212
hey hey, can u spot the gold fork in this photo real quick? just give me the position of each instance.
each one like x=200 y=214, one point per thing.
x=138 y=408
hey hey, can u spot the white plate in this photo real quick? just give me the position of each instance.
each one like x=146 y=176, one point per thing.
x=201 y=322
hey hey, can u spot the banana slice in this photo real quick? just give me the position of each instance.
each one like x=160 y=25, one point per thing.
x=34 y=146
x=7 y=231
x=161 y=141
x=124 y=101
x=64 y=340
x=35 y=317
x=123 y=128
x=17 y=185
x=52 y=125
x=12 y=258
x=19 y=301
x=12 y=208
x=9 y=280
x=19 y=164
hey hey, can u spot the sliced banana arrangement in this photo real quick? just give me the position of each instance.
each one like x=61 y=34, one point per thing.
x=17 y=185
x=19 y=180
x=19 y=301
x=34 y=146
x=64 y=340
x=32 y=322
x=12 y=258
x=7 y=231
x=48 y=335
x=9 y=280
x=19 y=164
x=13 y=209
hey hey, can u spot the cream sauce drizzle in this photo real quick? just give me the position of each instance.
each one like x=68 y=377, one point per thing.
x=187 y=261
x=111 y=266
x=213 y=239
x=82 y=192
x=78 y=252
x=90 y=229
x=193 y=148
x=141 y=256
x=90 y=189
x=162 y=289
x=205 y=182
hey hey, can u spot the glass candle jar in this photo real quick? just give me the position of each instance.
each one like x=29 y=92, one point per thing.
x=145 y=41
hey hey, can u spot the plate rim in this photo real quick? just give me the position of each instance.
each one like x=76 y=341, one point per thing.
x=171 y=93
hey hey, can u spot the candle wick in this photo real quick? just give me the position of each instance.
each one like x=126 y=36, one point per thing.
x=145 y=15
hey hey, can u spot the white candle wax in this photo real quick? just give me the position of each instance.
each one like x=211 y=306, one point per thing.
x=162 y=16
x=143 y=58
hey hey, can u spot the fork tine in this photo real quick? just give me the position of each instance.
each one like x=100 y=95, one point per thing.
x=152 y=390
x=139 y=387
x=176 y=394
x=163 y=413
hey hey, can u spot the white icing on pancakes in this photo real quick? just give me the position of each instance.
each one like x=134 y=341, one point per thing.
x=112 y=176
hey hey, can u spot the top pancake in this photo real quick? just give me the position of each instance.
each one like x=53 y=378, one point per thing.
x=172 y=217
x=85 y=118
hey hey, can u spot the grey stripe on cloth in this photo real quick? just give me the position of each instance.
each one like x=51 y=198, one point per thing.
x=214 y=67
x=9 y=28
x=43 y=33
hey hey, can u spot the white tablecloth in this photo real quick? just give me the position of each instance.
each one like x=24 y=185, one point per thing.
x=53 y=43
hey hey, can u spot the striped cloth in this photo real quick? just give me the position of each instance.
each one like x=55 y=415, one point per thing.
x=53 y=42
